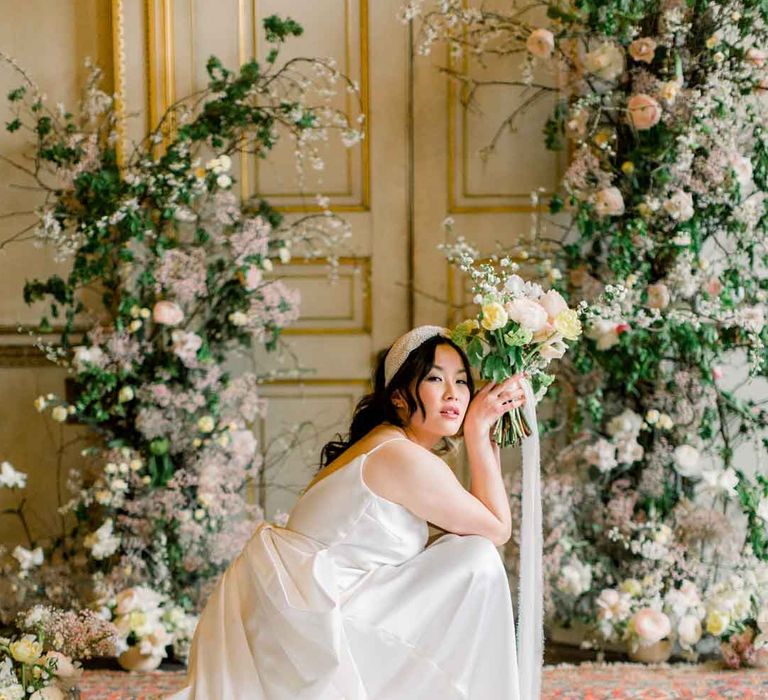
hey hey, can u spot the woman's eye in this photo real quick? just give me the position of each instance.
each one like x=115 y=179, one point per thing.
x=462 y=381
x=439 y=379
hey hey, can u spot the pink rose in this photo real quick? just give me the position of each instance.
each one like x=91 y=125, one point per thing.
x=644 y=112
x=253 y=278
x=651 y=625
x=553 y=303
x=540 y=43
x=643 y=49
x=527 y=313
x=713 y=286
x=658 y=295
x=717 y=372
x=168 y=313
x=609 y=202
x=621 y=328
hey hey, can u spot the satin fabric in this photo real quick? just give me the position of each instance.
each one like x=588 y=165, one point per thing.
x=347 y=603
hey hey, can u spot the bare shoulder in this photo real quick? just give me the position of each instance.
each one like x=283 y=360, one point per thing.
x=399 y=466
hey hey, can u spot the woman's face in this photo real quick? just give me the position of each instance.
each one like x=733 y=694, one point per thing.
x=445 y=395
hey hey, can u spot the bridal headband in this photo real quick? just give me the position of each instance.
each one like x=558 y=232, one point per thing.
x=405 y=345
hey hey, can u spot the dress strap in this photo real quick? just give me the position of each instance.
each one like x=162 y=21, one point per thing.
x=381 y=444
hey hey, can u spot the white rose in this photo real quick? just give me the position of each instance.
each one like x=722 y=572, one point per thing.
x=606 y=61
x=514 y=284
x=679 y=205
x=529 y=314
x=688 y=631
x=223 y=181
x=238 y=318
x=687 y=461
x=575 y=578
x=601 y=454
x=11 y=478
x=626 y=423
x=609 y=202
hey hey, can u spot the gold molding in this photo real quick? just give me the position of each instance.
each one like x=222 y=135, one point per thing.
x=362 y=262
x=118 y=71
x=24 y=356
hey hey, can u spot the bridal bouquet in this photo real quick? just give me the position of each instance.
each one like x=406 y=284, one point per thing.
x=518 y=328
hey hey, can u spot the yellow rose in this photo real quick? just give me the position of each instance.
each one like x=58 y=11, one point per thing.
x=494 y=316
x=26 y=650
x=631 y=586
x=206 y=424
x=567 y=324
x=717 y=622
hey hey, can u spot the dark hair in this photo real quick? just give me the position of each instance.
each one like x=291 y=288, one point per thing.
x=377 y=407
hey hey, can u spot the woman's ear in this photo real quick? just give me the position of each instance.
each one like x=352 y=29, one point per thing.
x=397 y=399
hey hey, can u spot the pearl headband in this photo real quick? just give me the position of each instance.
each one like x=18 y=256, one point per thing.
x=405 y=345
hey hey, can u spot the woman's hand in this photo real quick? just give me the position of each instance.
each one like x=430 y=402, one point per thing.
x=491 y=402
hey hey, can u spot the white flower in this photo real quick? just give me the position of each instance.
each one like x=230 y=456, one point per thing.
x=223 y=181
x=126 y=394
x=604 y=332
x=528 y=313
x=651 y=625
x=753 y=318
x=627 y=423
x=652 y=416
x=762 y=618
x=206 y=424
x=742 y=167
x=84 y=356
x=613 y=605
x=601 y=454
x=575 y=578
x=515 y=285
x=665 y=422
x=103 y=542
x=629 y=451
x=10 y=478
x=606 y=61
x=40 y=404
x=28 y=558
x=13 y=691
x=720 y=481
x=679 y=205
x=687 y=461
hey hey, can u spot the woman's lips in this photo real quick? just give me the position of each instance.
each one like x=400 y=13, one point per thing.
x=450 y=414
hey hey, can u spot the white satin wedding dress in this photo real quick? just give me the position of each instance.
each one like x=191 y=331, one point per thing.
x=347 y=603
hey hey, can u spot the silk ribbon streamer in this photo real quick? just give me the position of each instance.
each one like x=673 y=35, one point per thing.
x=530 y=627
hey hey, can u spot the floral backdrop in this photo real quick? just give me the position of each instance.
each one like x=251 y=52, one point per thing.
x=656 y=496
x=170 y=274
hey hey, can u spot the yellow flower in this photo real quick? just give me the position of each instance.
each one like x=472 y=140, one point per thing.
x=206 y=424
x=494 y=316
x=631 y=586
x=200 y=173
x=717 y=622
x=26 y=650
x=567 y=323
x=627 y=167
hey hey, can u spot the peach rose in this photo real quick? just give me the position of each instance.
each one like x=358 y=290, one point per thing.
x=606 y=61
x=528 y=313
x=756 y=57
x=643 y=49
x=609 y=202
x=540 y=43
x=651 y=625
x=658 y=295
x=553 y=303
x=168 y=313
x=644 y=111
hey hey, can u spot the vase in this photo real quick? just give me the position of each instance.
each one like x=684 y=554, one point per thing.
x=133 y=660
x=656 y=653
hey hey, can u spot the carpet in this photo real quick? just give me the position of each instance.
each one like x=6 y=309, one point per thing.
x=587 y=681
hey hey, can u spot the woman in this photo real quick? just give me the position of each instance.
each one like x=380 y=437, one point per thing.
x=346 y=602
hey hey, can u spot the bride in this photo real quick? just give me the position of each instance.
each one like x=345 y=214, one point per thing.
x=347 y=601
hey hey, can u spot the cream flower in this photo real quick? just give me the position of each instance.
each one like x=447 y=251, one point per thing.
x=643 y=49
x=553 y=303
x=717 y=622
x=688 y=631
x=540 y=43
x=206 y=424
x=494 y=316
x=11 y=478
x=167 y=313
x=553 y=349
x=26 y=650
x=668 y=91
x=568 y=324
x=687 y=461
x=609 y=202
x=59 y=414
x=643 y=111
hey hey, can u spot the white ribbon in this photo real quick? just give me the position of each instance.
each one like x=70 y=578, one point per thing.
x=530 y=601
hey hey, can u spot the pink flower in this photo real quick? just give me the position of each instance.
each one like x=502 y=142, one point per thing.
x=643 y=111
x=643 y=49
x=253 y=278
x=651 y=625
x=540 y=43
x=553 y=303
x=621 y=328
x=609 y=202
x=168 y=313
x=713 y=286
x=717 y=372
x=528 y=313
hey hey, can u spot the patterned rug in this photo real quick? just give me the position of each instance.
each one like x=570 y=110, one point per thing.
x=586 y=681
